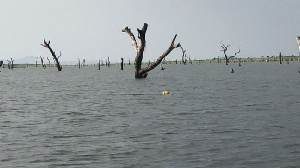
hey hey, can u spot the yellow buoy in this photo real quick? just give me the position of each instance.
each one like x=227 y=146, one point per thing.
x=165 y=92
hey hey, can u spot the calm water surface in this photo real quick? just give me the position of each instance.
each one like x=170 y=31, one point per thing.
x=211 y=118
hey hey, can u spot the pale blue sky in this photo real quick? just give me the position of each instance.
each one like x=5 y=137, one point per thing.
x=91 y=29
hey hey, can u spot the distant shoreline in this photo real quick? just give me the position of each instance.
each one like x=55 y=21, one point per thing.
x=205 y=61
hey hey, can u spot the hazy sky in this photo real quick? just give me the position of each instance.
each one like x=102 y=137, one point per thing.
x=91 y=29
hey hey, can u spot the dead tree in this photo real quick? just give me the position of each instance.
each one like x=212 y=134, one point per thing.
x=224 y=49
x=139 y=71
x=122 y=62
x=236 y=54
x=48 y=61
x=78 y=63
x=280 y=58
x=10 y=64
x=42 y=62
x=184 y=57
x=1 y=63
x=57 y=64
x=99 y=65
x=83 y=62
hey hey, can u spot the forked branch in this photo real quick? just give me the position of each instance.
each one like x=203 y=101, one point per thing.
x=139 y=72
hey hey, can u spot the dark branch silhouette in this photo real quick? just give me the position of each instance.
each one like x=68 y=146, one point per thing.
x=224 y=49
x=48 y=61
x=139 y=71
x=42 y=62
x=1 y=63
x=47 y=45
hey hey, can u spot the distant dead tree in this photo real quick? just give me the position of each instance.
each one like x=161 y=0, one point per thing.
x=184 y=57
x=42 y=62
x=99 y=65
x=48 y=61
x=10 y=64
x=122 y=62
x=224 y=49
x=78 y=63
x=83 y=62
x=57 y=64
x=139 y=71
x=280 y=58
x=1 y=63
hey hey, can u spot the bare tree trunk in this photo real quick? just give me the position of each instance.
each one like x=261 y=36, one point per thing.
x=139 y=71
x=42 y=61
x=108 y=62
x=47 y=45
x=8 y=64
x=122 y=60
x=183 y=56
x=99 y=65
x=224 y=49
x=48 y=61
x=12 y=63
x=280 y=58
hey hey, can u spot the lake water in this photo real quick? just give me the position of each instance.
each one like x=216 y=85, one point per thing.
x=211 y=118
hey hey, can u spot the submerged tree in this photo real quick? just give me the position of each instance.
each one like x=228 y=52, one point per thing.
x=99 y=64
x=280 y=58
x=184 y=57
x=139 y=71
x=57 y=64
x=122 y=62
x=42 y=62
x=227 y=58
x=10 y=64
x=78 y=63
x=224 y=49
x=49 y=61
x=1 y=63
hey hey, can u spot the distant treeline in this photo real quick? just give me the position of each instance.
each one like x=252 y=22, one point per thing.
x=214 y=60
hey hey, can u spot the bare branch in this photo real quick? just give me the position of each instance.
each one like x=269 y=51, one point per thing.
x=159 y=59
x=55 y=58
x=133 y=40
x=59 y=54
x=237 y=52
